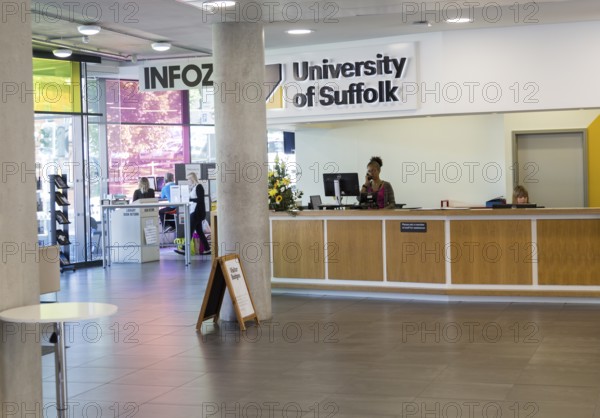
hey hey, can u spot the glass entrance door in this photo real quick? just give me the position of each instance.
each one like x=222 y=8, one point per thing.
x=58 y=141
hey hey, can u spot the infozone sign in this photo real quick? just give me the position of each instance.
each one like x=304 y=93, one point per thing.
x=177 y=75
x=349 y=80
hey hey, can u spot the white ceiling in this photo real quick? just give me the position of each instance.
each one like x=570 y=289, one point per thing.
x=129 y=27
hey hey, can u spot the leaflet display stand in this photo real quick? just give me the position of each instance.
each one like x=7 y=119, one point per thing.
x=59 y=219
x=227 y=272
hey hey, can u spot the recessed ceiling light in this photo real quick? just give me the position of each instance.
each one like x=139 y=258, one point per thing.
x=161 y=46
x=299 y=31
x=88 y=29
x=459 y=20
x=62 y=53
x=218 y=4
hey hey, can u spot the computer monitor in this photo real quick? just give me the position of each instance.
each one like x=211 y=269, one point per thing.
x=152 y=182
x=315 y=202
x=516 y=206
x=348 y=184
x=369 y=200
x=160 y=182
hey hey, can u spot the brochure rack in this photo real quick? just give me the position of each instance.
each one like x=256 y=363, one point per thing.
x=59 y=219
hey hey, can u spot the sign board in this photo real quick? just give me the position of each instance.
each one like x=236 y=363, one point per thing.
x=332 y=82
x=227 y=273
x=357 y=80
x=413 y=226
x=183 y=74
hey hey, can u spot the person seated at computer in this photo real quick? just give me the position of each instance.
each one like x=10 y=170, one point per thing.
x=165 y=194
x=144 y=191
x=381 y=190
x=520 y=195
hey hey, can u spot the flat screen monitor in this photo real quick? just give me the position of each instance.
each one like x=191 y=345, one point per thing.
x=152 y=182
x=315 y=202
x=348 y=184
x=160 y=182
x=369 y=200
x=516 y=206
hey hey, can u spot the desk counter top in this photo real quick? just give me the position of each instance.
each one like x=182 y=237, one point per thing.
x=398 y=213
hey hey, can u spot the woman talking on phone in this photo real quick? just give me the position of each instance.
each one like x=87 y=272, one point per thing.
x=380 y=190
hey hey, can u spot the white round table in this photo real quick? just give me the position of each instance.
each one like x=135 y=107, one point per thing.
x=58 y=314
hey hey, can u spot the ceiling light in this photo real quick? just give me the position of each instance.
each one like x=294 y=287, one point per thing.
x=88 y=29
x=459 y=20
x=62 y=53
x=161 y=46
x=218 y=4
x=299 y=31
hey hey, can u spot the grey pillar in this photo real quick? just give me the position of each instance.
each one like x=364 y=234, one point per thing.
x=20 y=356
x=241 y=136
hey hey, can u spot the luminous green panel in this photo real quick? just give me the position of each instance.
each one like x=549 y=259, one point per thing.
x=57 y=85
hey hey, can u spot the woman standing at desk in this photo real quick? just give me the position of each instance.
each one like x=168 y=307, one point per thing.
x=197 y=210
x=381 y=191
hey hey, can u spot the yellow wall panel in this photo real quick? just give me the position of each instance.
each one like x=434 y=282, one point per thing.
x=594 y=163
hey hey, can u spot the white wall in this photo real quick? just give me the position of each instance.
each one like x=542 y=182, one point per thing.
x=540 y=121
x=459 y=158
x=536 y=67
x=539 y=71
x=465 y=159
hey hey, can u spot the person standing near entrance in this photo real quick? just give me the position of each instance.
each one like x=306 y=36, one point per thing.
x=198 y=211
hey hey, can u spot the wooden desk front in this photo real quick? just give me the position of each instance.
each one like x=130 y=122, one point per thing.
x=547 y=252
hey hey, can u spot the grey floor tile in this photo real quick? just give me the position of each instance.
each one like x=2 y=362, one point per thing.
x=321 y=355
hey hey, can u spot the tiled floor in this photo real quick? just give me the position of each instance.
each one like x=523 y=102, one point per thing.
x=321 y=356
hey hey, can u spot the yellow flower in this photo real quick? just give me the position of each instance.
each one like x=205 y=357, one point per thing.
x=281 y=194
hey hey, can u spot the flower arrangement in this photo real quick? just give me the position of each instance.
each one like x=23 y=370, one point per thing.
x=282 y=195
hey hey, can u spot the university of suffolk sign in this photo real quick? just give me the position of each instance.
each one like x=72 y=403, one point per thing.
x=359 y=81
x=326 y=91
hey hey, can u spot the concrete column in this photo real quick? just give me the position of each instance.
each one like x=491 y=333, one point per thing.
x=241 y=137
x=20 y=355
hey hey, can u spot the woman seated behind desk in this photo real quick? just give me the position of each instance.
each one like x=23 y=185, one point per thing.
x=144 y=191
x=381 y=191
x=520 y=195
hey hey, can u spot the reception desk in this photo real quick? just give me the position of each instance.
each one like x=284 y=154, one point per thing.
x=494 y=252
x=124 y=239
